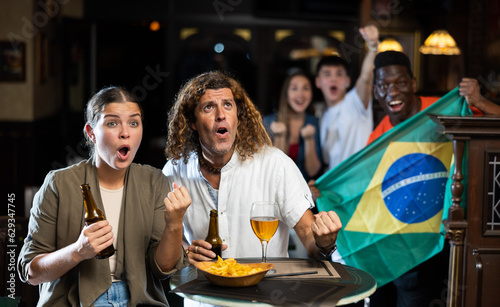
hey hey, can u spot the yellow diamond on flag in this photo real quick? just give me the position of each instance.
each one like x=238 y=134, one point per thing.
x=406 y=193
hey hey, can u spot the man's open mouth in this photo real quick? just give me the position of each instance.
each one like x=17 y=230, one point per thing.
x=221 y=130
x=396 y=105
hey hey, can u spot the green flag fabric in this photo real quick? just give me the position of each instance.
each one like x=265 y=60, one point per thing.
x=391 y=195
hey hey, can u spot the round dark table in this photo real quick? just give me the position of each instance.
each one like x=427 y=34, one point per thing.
x=367 y=286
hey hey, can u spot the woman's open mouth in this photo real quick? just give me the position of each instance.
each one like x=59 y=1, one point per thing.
x=123 y=152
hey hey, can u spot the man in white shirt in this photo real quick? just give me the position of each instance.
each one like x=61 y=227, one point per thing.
x=348 y=121
x=218 y=148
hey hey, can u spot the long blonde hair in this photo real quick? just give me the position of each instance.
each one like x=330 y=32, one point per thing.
x=284 y=108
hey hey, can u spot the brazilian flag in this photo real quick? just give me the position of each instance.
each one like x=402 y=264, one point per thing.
x=392 y=196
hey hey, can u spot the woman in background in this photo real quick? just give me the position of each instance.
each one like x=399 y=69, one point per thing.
x=293 y=129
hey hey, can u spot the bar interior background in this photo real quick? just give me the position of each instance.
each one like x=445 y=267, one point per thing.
x=64 y=50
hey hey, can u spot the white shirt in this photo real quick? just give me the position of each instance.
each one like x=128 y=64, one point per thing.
x=345 y=128
x=269 y=175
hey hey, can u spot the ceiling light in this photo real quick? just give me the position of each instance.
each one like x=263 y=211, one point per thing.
x=440 y=42
x=389 y=44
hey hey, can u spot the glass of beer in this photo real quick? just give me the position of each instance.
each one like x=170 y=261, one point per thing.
x=264 y=218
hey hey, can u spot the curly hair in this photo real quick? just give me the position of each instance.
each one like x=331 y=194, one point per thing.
x=182 y=140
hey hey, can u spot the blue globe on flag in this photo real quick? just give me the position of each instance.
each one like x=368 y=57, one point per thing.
x=414 y=187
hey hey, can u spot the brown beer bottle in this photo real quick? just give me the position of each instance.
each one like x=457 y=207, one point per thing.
x=93 y=215
x=213 y=234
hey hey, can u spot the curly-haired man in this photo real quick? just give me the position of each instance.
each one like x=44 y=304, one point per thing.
x=219 y=150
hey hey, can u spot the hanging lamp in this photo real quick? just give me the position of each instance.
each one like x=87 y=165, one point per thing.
x=440 y=42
